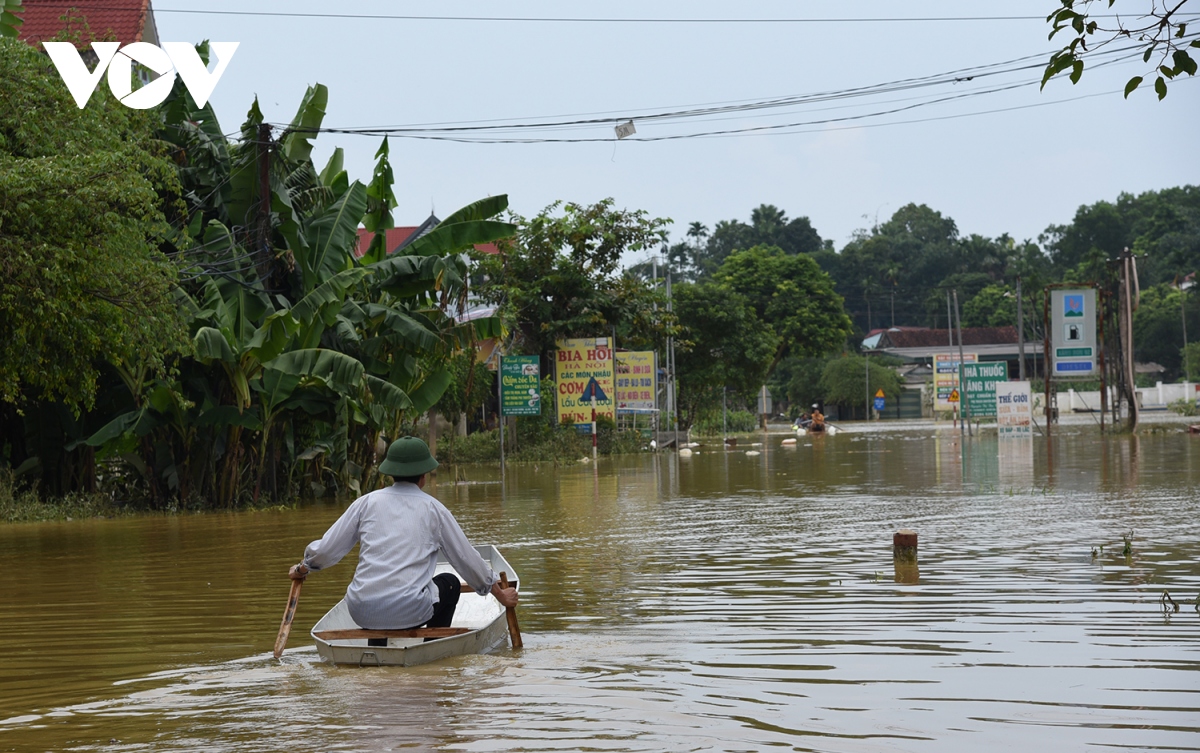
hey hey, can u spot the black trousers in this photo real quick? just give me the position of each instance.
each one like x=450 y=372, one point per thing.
x=448 y=587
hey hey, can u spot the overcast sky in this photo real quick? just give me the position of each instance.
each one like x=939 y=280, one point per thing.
x=1010 y=161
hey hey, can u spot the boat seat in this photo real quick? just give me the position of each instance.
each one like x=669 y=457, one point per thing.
x=353 y=633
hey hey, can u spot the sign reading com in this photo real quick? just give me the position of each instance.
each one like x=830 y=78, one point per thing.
x=171 y=58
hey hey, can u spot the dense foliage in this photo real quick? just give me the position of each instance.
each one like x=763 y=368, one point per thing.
x=282 y=359
x=560 y=277
x=85 y=197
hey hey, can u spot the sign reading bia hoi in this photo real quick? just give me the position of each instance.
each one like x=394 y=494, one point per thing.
x=979 y=385
x=520 y=386
x=1073 y=350
x=577 y=362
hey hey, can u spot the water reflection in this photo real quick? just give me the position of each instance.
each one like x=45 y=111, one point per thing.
x=719 y=602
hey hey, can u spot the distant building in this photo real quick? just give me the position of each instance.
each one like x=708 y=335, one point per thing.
x=124 y=21
x=917 y=346
x=396 y=239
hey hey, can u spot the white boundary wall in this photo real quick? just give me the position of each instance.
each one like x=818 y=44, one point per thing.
x=1149 y=398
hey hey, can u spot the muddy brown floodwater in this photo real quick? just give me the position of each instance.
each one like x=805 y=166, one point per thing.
x=722 y=602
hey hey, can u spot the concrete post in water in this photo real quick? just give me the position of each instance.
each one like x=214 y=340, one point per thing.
x=904 y=556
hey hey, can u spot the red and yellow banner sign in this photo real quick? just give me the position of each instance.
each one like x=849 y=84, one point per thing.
x=577 y=362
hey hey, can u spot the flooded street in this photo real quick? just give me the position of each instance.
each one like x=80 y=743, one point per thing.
x=722 y=602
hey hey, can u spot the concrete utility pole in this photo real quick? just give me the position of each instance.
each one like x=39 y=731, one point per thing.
x=962 y=383
x=1020 y=334
x=1129 y=302
x=1187 y=368
x=867 y=382
x=950 y=331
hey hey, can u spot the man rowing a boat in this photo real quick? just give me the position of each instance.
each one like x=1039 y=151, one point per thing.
x=400 y=530
x=817 y=424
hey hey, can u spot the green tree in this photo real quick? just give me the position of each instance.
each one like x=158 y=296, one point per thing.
x=792 y=298
x=560 y=278
x=1158 y=328
x=993 y=306
x=798 y=381
x=82 y=277
x=723 y=346
x=1160 y=32
x=844 y=382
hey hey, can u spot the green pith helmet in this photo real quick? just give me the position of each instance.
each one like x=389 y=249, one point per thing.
x=406 y=457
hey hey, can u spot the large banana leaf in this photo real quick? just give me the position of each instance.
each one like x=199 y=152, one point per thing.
x=406 y=277
x=387 y=394
x=334 y=170
x=210 y=345
x=339 y=371
x=447 y=238
x=275 y=386
x=430 y=391
x=272 y=337
x=326 y=300
x=295 y=144
x=243 y=170
x=479 y=210
x=400 y=325
x=332 y=236
x=120 y=435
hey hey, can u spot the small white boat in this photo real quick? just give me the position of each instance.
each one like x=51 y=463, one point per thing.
x=830 y=429
x=479 y=626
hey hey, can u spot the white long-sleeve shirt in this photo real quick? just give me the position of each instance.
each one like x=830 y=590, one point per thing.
x=400 y=530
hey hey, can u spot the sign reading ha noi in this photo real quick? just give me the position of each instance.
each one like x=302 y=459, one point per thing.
x=578 y=361
x=636 y=381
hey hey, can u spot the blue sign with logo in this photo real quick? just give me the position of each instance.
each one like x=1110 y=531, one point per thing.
x=879 y=403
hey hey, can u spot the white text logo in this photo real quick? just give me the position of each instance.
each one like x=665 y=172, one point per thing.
x=171 y=58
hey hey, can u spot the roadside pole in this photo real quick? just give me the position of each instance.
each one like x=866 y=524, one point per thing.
x=962 y=392
x=500 y=408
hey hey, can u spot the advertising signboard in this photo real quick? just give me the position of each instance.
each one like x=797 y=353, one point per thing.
x=636 y=381
x=578 y=361
x=979 y=385
x=945 y=378
x=520 y=386
x=1073 y=348
x=1014 y=410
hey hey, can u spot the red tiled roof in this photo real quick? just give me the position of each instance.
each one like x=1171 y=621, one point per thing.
x=933 y=338
x=397 y=235
x=123 y=21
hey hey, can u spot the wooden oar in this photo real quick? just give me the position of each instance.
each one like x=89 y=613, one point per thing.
x=514 y=630
x=285 y=627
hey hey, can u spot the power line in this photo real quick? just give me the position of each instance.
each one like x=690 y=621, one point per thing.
x=488 y=132
x=587 y=19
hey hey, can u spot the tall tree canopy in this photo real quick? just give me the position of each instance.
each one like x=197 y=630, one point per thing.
x=701 y=253
x=559 y=277
x=791 y=296
x=82 y=277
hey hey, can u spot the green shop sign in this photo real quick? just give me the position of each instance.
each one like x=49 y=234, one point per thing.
x=520 y=386
x=979 y=385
